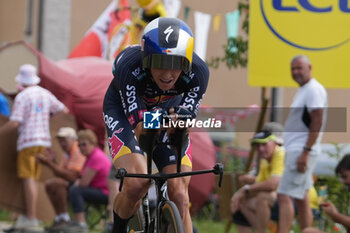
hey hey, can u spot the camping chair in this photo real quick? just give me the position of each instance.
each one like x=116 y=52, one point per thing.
x=95 y=213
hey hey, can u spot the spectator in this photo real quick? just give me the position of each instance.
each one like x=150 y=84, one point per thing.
x=302 y=136
x=343 y=170
x=251 y=205
x=31 y=113
x=276 y=129
x=150 y=10
x=65 y=174
x=91 y=187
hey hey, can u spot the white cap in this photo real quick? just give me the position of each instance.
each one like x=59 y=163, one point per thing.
x=67 y=132
x=27 y=75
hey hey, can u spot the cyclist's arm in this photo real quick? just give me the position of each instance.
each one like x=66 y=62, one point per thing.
x=126 y=84
x=197 y=86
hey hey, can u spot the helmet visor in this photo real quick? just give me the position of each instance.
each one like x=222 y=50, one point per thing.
x=163 y=61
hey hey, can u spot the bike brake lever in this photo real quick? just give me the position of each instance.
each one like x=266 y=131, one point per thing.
x=121 y=174
x=219 y=170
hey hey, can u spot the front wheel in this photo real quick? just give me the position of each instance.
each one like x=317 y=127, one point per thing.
x=170 y=219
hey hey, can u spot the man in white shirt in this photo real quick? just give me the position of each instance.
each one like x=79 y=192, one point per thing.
x=302 y=136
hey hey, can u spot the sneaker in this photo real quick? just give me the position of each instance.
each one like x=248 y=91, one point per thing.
x=75 y=227
x=107 y=228
x=56 y=225
x=23 y=222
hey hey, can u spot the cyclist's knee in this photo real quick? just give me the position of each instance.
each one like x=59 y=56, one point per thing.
x=135 y=188
x=178 y=193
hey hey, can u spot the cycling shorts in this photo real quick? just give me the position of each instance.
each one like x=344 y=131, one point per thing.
x=122 y=139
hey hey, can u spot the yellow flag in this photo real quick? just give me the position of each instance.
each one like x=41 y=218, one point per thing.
x=216 y=23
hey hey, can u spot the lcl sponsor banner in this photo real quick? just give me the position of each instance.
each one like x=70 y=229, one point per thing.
x=282 y=29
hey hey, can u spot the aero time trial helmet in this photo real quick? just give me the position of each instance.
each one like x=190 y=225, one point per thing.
x=167 y=43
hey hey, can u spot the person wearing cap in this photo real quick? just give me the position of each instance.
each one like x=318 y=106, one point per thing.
x=251 y=205
x=66 y=173
x=30 y=114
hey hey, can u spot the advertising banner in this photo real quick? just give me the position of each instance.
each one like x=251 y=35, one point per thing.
x=282 y=29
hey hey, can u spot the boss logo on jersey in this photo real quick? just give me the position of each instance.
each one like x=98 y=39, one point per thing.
x=131 y=97
x=308 y=24
x=151 y=120
x=190 y=98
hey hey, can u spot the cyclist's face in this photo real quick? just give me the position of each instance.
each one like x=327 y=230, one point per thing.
x=165 y=78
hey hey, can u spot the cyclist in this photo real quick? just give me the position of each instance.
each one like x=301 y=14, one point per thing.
x=161 y=73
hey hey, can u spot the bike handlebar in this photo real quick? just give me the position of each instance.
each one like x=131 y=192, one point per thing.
x=218 y=169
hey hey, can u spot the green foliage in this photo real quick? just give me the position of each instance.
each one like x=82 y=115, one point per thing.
x=210 y=226
x=337 y=193
x=235 y=54
x=229 y=158
x=4 y=215
x=235 y=164
x=236 y=49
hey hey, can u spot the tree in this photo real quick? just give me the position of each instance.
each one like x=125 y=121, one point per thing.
x=236 y=49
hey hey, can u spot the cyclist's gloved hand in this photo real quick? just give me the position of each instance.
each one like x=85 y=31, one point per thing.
x=163 y=111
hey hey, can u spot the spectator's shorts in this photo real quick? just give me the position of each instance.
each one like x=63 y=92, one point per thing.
x=294 y=183
x=27 y=167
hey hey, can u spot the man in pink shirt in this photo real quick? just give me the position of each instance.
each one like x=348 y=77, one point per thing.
x=31 y=113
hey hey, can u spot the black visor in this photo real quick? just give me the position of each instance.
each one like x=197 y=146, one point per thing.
x=163 y=61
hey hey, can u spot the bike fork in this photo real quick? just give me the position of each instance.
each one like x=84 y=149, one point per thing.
x=146 y=212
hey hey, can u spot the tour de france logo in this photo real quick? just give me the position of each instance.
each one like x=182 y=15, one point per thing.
x=308 y=24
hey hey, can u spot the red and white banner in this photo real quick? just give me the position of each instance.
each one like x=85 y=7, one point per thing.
x=108 y=35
